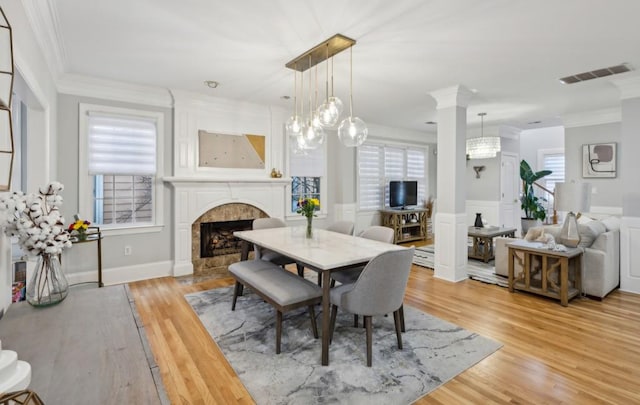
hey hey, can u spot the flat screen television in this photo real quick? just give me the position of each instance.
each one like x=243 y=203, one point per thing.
x=403 y=194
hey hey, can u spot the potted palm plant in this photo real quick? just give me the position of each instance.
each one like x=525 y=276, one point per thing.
x=534 y=211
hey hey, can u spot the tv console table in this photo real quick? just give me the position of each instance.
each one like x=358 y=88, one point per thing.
x=408 y=225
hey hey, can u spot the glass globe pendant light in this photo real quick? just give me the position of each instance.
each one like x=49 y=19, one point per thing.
x=352 y=130
x=312 y=135
x=329 y=112
x=293 y=126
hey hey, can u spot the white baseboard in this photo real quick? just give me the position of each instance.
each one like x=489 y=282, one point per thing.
x=126 y=274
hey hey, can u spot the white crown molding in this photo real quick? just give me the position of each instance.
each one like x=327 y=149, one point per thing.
x=454 y=96
x=509 y=132
x=43 y=18
x=588 y=118
x=191 y=100
x=86 y=86
x=629 y=86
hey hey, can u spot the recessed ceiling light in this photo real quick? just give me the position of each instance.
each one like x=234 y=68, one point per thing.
x=212 y=83
x=534 y=122
x=431 y=123
x=285 y=97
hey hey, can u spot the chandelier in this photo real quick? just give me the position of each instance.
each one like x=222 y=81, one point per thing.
x=307 y=132
x=483 y=147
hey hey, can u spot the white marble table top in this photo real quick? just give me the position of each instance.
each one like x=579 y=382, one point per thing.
x=325 y=251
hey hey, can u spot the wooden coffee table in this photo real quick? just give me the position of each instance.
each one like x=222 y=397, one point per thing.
x=482 y=248
x=548 y=262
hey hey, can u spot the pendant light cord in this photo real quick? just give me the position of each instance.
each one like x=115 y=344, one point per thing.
x=350 y=82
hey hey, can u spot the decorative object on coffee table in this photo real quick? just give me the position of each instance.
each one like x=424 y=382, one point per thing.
x=478 y=222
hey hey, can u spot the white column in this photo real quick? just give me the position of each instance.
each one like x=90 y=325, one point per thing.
x=451 y=219
x=628 y=169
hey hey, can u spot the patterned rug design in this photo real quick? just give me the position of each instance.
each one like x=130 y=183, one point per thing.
x=477 y=270
x=434 y=352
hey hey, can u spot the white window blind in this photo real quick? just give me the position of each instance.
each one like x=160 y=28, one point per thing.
x=309 y=165
x=377 y=165
x=369 y=174
x=555 y=163
x=121 y=145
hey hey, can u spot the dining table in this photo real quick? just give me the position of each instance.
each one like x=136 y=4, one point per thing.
x=325 y=252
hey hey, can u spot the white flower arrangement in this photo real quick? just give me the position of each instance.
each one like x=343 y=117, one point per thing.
x=36 y=220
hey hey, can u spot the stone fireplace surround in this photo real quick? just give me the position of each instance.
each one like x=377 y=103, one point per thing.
x=195 y=196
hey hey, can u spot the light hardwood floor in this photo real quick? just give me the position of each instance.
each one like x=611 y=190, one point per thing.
x=586 y=353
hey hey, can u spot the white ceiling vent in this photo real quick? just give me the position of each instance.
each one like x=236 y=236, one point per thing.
x=594 y=74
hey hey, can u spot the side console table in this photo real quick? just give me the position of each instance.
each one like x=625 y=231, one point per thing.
x=537 y=258
x=93 y=235
x=408 y=225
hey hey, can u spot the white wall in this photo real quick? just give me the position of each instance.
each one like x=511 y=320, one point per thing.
x=532 y=140
x=607 y=192
x=41 y=150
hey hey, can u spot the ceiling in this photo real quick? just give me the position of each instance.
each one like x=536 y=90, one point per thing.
x=509 y=52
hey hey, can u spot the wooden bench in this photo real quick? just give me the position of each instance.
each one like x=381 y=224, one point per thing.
x=285 y=291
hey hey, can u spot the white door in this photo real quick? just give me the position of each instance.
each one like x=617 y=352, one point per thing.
x=509 y=191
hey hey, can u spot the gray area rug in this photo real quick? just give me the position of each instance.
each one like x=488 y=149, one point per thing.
x=434 y=352
x=477 y=270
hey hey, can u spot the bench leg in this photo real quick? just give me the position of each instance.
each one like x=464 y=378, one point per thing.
x=396 y=318
x=367 y=324
x=236 y=292
x=278 y=330
x=332 y=322
x=314 y=325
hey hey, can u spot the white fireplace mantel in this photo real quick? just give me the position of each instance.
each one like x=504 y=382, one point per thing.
x=193 y=196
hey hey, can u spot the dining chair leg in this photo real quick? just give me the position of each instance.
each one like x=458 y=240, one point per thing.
x=333 y=283
x=402 y=328
x=319 y=279
x=300 y=269
x=314 y=325
x=355 y=321
x=332 y=321
x=278 y=330
x=396 y=318
x=236 y=291
x=367 y=323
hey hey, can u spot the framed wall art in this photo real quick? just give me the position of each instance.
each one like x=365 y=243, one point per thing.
x=231 y=151
x=599 y=160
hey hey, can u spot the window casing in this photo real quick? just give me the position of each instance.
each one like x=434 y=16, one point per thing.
x=119 y=187
x=308 y=179
x=380 y=164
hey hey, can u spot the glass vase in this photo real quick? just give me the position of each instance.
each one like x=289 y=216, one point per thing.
x=48 y=284
x=309 y=233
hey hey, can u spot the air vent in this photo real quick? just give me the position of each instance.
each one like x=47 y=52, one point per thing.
x=594 y=74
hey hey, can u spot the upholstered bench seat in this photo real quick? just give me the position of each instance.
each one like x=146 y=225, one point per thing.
x=285 y=291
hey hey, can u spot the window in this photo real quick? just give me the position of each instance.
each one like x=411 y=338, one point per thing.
x=308 y=174
x=378 y=164
x=119 y=183
x=552 y=159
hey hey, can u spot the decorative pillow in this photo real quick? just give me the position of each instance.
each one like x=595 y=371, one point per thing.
x=589 y=232
x=611 y=223
x=584 y=219
x=534 y=233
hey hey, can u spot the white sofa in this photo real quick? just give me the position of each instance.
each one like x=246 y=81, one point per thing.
x=600 y=240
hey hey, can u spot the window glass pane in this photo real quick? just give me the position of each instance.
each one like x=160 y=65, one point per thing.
x=304 y=187
x=123 y=199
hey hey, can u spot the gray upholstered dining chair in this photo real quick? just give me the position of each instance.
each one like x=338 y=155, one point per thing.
x=378 y=290
x=345 y=227
x=379 y=233
x=266 y=254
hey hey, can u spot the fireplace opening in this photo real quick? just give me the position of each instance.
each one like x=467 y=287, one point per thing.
x=216 y=238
